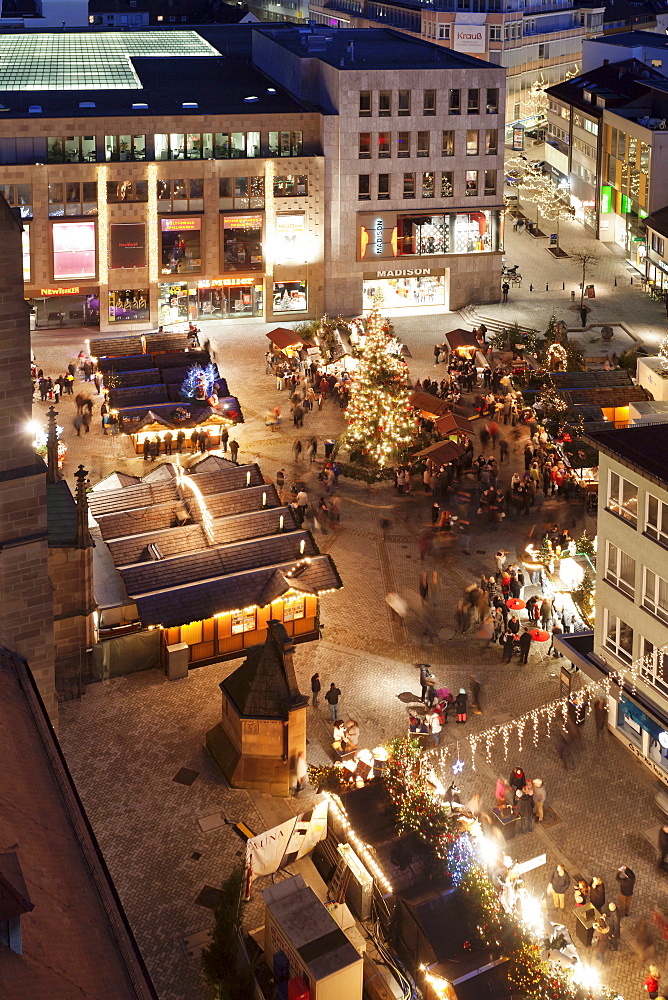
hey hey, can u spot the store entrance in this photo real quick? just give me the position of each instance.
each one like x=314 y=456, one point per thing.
x=242 y=301
x=58 y=311
x=407 y=293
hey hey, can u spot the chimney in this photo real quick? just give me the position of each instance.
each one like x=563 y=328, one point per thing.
x=52 y=470
x=84 y=538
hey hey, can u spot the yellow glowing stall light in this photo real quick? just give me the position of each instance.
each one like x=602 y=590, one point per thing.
x=361 y=849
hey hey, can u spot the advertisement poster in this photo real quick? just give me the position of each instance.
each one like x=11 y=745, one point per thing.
x=181 y=251
x=242 y=242
x=469 y=33
x=127 y=243
x=73 y=250
x=128 y=305
x=290 y=237
x=282 y=845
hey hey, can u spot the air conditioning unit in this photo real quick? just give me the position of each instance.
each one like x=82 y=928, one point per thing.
x=359 y=891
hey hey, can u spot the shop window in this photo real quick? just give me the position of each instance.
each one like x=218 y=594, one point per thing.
x=630 y=726
x=620 y=570
x=657 y=244
x=471 y=183
x=383 y=187
x=180 y=246
x=623 y=498
x=364 y=104
x=119 y=192
x=461 y=232
x=286 y=143
x=403 y=144
x=244 y=621
x=448 y=143
x=290 y=186
x=409 y=185
x=240 y=192
x=454 y=102
x=127 y=245
x=491 y=141
x=384 y=103
x=423 y=144
x=128 y=305
x=429 y=102
x=123 y=148
x=73 y=250
x=447 y=184
x=655 y=595
x=290 y=296
x=364 y=146
x=180 y=195
x=654 y=666
x=56 y=200
x=293 y=608
x=71 y=149
x=404 y=106
x=618 y=637
x=364 y=187
x=490 y=182
x=656 y=521
x=492 y=101
x=19 y=196
x=428 y=184
x=473 y=105
x=472 y=142
x=658 y=754
x=242 y=242
x=384 y=145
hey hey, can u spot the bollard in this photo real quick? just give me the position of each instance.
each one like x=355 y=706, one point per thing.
x=547 y=287
x=531 y=287
x=631 y=279
x=615 y=282
x=563 y=286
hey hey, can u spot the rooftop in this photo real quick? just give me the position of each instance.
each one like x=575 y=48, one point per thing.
x=633 y=39
x=643 y=448
x=658 y=221
x=617 y=83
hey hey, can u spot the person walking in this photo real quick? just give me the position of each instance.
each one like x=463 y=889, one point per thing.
x=524 y=806
x=651 y=983
x=315 y=689
x=332 y=699
x=559 y=884
x=297 y=449
x=600 y=716
x=526 y=640
x=301 y=773
x=224 y=438
x=434 y=725
x=539 y=796
x=505 y=288
x=663 y=845
x=614 y=923
x=474 y=688
x=583 y=315
x=234 y=450
x=425 y=672
x=626 y=881
x=460 y=705
x=280 y=479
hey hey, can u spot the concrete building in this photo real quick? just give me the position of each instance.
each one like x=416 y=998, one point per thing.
x=160 y=181
x=650 y=48
x=630 y=634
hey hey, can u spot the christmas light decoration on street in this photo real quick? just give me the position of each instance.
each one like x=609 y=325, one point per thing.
x=458 y=764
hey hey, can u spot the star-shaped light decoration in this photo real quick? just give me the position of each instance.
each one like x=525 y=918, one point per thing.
x=458 y=765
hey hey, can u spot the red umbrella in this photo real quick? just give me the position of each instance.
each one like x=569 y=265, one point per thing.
x=539 y=635
x=515 y=604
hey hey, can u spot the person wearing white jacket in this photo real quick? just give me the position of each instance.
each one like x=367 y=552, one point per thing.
x=434 y=726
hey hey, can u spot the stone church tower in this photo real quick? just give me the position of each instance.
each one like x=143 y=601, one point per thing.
x=26 y=599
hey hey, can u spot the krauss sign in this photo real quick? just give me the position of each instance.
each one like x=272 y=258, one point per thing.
x=470 y=38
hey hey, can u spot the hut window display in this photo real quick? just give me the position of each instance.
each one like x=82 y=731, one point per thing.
x=243 y=621
x=293 y=607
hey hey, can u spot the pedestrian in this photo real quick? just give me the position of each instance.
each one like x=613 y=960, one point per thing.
x=297 y=449
x=583 y=315
x=460 y=705
x=434 y=726
x=315 y=689
x=234 y=450
x=104 y=411
x=524 y=806
x=526 y=640
x=600 y=940
x=614 y=923
x=508 y=647
x=169 y=437
x=517 y=779
x=153 y=447
x=353 y=733
x=626 y=881
x=224 y=438
x=474 y=688
x=505 y=288
x=539 y=796
x=180 y=438
x=663 y=845
x=332 y=699
x=644 y=939
x=597 y=893
x=280 y=479
x=559 y=884
x=651 y=983
x=437 y=353
x=85 y=420
x=600 y=716
x=301 y=773
x=425 y=672
x=503 y=450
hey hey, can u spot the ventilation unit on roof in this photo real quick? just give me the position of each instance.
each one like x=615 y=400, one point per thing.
x=86 y=104
x=251 y=98
x=139 y=107
x=190 y=104
x=35 y=109
x=154 y=552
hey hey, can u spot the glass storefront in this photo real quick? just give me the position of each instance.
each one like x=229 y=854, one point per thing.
x=128 y=305
x=242 y=242
x=215 y=298
x=657 y=276
x=405 y=292
x=289 y=296
x=177 y=303
x=387 y=235
x=58 y=311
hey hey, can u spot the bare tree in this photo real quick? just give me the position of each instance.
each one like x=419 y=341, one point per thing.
x=587 y=260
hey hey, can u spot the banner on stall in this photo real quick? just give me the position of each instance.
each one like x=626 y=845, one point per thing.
x=284 y=844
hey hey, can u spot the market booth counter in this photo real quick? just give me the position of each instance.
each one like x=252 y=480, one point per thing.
x=287 y=342
x=428 y=406
x=143 y=422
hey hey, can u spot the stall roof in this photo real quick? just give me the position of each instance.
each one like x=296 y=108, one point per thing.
x=442 y=452
x=284 y=337
x=451 y=423
x=430 y=404
x=461 y=338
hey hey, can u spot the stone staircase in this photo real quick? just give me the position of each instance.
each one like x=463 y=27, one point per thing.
x=470 y=317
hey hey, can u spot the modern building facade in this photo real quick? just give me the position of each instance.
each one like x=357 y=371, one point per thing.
x=630 y=637
x=161 y=181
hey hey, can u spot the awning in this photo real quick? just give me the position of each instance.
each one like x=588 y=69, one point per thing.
x=442 y=452
x=428 y=404
x=461 y=339
x=283 y=337
x=450 y=423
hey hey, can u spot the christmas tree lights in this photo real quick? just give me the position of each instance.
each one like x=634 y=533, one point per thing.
x=380 y=417
x=663 y=354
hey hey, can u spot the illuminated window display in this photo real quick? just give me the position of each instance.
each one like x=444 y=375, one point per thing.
x=463 y=232
x=242 y=242
x=25 y=246
x=289 y=296
x=177 y=303
x=181 y=246
x=73 y=250
x=128 y=305
x=406 y=291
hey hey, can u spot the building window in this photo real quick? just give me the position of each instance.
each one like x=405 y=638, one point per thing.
x=655 y=595
x=20 y=196
x=121 y=148
x=384 y=103
x=242 y=243
x=186 y=195
x=491 y=141
x=620 y=570
x=618 y=637
x=384 y=150
x=409 y=185
x=71 y=149
x=444 y=32
x=243 y=621
x=454 y=102
x=492 y=100
x=404 y=102
x=428 y=184
x=120 y=192
x=286 y=143
x=471 y=183
x=495 y=32
x=656 y=521
x=473 y=106
x=439 y=233
x=657 y=244
x=472 y=142
x=429 y=102
x=73 y=250
x=364 y=146
x=181 y=246
x=623 y=498
x=365 y=104
x=293 y=608
x=654 y=666
x=446 y=184
x=544 y=53
x=403 y=144
x=448 y=143
x=72 y=198
x=383 y=186
x=364 y=187
x=423 y=144
x=288 y=186
x=490 y=182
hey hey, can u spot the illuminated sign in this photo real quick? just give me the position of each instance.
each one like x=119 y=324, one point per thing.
x=518 y=138
x=127 y=245
x=226 y=282
x=243 y=222
x=378 y=236
x=178 y=225
x=606 y=199
x=406 y=272
x=627 y=204
x=73 y=250
x=469 y=37
x=73 y=290
x=290 y=236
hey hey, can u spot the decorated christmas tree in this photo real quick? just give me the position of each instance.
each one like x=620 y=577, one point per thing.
x=380 y=416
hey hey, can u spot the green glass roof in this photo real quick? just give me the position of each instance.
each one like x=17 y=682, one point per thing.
x=88 y=60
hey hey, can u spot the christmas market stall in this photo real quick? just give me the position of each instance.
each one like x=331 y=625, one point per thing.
x=462 y=343
x=429 y=407
x=286 y=342
x=453 y=427
x=442 y=452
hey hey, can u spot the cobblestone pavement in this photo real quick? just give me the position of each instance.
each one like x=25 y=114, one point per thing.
x=127 y=738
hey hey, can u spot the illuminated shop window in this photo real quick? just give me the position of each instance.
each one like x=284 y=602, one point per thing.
x=243 y=621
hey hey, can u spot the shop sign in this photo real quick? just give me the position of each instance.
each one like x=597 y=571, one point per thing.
x=290 y=236
x=226 y=282
x=660 y=263
x=406 y=272
x=606 y=199
x=179 y=224
x=470 y=37
x=647 y=761
x=243 y=222
x=72 y=290
x=378 y=230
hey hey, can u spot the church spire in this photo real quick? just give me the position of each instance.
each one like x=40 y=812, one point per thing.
x=84 y=537
x=53 y=472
